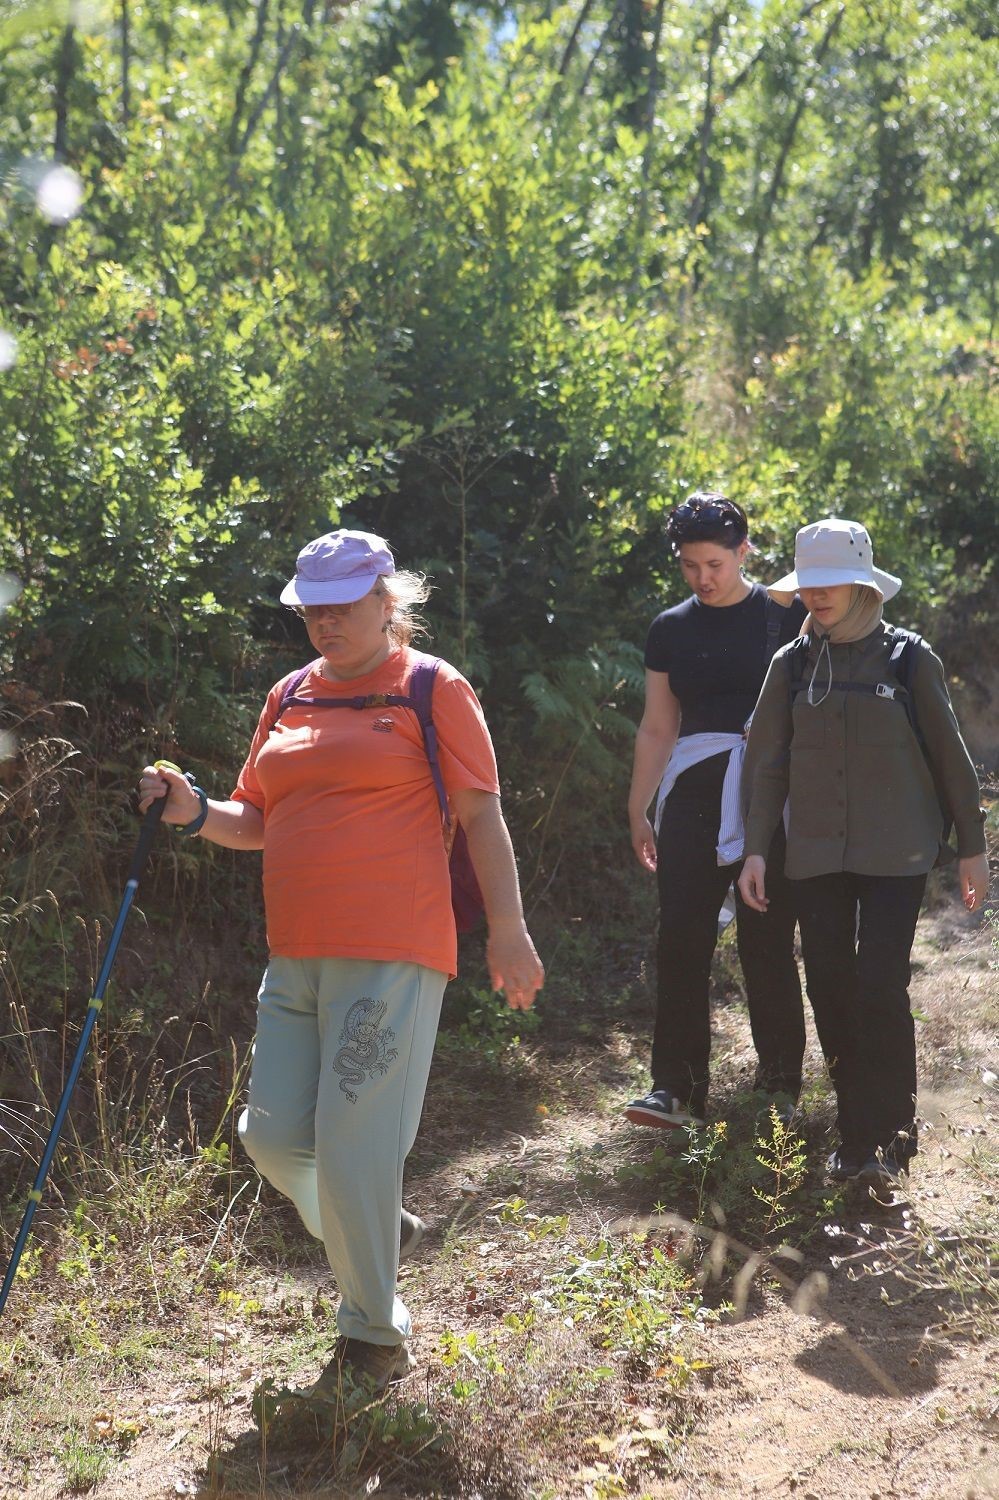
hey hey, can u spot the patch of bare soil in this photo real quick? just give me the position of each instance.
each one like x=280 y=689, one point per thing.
x=860 y=1397
x=874 y=1384
x=870 y=1394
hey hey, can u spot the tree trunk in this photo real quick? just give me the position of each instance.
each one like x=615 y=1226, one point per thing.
x=65 y=65
x=649 y=127
x=126 y=62
x=246 y=73
x=697 y=212
x=780 y=166
x=632 y=61
x=884 y=214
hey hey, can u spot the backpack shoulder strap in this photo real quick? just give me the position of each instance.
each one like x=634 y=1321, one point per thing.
x=291 y=688
x=903 y=653
x=421 y=692
x=775 y=619
x=797 y=655
x=903 y=662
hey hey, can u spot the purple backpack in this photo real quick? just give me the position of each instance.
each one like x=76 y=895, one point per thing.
x=466 y=897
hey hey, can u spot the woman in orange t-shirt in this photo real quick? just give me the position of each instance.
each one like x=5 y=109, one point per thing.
x=360 y=927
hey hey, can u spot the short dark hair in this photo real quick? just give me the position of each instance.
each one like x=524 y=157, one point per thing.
x=707 y=516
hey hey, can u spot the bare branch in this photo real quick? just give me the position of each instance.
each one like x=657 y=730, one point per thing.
x=699 y=202
x=246 y=72
x=598 y=49
x=573 y=42
x=780 y=166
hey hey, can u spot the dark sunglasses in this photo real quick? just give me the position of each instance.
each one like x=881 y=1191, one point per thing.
x=701 y=514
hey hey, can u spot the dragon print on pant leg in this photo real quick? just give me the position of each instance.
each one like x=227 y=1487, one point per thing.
x=364 y=1048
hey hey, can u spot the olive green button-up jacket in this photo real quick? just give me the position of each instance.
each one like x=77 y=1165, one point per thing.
x=861 y=795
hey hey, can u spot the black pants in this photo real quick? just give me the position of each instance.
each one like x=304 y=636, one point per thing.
x=692 y=886
x=856 y=937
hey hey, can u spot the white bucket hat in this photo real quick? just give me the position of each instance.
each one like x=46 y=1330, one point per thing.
x=832 y=552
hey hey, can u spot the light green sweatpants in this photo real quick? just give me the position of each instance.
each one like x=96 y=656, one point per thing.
x=340 y=1065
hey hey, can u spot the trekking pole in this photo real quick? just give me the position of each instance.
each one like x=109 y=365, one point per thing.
x=150 y=822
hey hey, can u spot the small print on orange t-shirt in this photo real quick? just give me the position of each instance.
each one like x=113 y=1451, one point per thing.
x=354 y=859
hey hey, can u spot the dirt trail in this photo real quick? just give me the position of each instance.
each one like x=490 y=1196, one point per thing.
x=794 y=1409
x=852 y=1399
x=857 y=1400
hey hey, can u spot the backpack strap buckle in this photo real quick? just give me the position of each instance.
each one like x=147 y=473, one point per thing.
x=884 y=690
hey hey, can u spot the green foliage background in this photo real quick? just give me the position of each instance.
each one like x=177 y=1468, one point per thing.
x=502 y=284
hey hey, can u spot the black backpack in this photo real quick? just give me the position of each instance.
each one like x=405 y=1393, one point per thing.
x=902 y=664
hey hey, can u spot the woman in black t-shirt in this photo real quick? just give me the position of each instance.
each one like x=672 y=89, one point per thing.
x=705 y=663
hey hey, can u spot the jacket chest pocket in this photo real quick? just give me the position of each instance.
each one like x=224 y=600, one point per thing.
x=880 y=721
x=809 y=724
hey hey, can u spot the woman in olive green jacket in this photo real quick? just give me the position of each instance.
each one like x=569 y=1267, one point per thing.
x=834 y=739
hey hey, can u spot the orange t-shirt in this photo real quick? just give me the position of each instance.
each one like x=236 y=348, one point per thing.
x=354 y=858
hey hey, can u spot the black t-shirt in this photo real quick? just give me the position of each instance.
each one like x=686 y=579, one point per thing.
x=716 y=657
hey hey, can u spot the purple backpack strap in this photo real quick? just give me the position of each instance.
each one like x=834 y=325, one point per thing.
x=292 y=687
x=421 y=692
x=466 y=895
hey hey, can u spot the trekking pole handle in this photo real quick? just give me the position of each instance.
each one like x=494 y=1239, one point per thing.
x=147 y=833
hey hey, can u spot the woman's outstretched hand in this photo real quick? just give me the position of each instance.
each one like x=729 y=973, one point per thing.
x=643 y=841
x=973 y=873
x=514 y=965
x=753 y=883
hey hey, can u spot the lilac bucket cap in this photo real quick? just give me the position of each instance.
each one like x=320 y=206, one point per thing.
x=832 y=552
x=338 y=568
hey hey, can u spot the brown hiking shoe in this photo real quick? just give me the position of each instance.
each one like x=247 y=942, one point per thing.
x=356 y=1362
